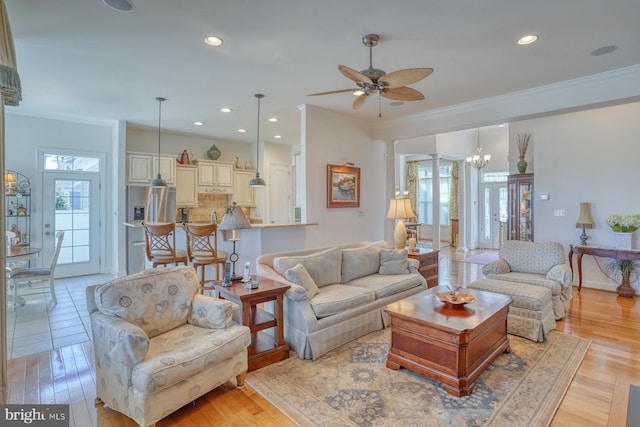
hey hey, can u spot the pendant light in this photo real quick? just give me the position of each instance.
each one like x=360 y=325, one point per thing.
x=158 y=181
x=257 y=181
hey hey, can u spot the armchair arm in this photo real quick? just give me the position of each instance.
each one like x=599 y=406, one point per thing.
x=560 y=273
x=414 y=265
x=212 y=313
x=498 y=266
x=118 y=341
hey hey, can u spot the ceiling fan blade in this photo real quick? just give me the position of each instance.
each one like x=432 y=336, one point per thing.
x=354 y=75
x=402 y=94
x=331 y=91
x=405 y=77
x=359 y=102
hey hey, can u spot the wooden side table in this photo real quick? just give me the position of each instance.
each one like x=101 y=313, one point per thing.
x=428 y=259
x=264 y=349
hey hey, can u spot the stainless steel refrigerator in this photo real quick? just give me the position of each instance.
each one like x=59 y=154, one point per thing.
x=150 y=204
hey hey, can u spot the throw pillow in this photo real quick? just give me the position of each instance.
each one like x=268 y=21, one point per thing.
x=362 y=261
x=324 y=266
x=300 y=276
x=394 y=261
x=211 y=313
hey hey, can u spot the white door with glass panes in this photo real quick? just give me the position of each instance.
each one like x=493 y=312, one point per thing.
x=71 y=203
x=493 y=214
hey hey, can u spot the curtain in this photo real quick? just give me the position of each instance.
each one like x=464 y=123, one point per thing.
x=412 y=183
x=453 y=195
x=10 y=94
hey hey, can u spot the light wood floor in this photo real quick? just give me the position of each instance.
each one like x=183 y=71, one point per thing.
x=66 y=375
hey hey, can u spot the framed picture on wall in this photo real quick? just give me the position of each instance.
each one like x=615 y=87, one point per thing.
x=343 y=186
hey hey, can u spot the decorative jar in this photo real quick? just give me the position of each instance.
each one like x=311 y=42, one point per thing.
x=623 y=240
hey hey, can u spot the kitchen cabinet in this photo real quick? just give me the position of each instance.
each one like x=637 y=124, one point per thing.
x=215 y=177
x=186 y=186
x=142 y=168
x=243 y=194
x=520 y=220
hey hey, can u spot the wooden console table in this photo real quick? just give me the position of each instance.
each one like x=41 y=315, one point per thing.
x=265 y=349
x=601 y=252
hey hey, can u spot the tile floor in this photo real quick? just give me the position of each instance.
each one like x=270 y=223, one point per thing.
x=40 y=325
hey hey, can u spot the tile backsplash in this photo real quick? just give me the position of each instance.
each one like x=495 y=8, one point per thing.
x=210 y=202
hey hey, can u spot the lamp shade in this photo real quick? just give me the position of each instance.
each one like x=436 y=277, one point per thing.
x=584 y=219
x=400 y=209
x=10 y=177
x=234 y=219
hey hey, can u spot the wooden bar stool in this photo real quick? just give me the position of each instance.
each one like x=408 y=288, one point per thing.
x=202 y=248
x=160 y=239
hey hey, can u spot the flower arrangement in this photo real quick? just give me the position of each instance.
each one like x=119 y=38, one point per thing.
x=623 y=223
x=523 y=143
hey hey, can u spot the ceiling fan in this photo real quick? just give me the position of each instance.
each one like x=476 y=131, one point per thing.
x=373 y=80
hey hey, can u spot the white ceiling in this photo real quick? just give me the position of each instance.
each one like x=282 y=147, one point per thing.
x=81 y=60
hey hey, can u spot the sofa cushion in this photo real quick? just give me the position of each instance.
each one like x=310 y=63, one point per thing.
x=334 y=299
x=530 y=279
x=360 y=262
x=394 y=261
x=324 y=266
x=155 y=300
x=300 y=276
x=385 y=285
x=185 y=351
x=212 y=313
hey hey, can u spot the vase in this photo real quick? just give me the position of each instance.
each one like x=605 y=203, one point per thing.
x=623 y=240
x=625 y=289
x=214 y=152
x=522 y=165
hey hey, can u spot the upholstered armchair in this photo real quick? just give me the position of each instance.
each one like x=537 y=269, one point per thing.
x=537 y=264
x=159 y=344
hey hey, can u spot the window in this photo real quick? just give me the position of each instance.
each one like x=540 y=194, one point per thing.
x=425 y=194
x=56 y=162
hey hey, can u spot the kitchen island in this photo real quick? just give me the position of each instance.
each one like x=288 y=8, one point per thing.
x=254 y=241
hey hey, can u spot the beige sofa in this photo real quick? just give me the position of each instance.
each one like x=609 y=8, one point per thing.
x=159 y=344
x=338 y=293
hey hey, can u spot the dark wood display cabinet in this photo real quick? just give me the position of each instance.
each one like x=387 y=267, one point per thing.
x=520 y=219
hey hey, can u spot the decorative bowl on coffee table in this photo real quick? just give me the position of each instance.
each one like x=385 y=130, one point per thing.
x=455 y=299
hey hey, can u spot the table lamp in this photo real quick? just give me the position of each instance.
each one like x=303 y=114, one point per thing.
x=234 y=219
x=585 y=221
x=400 y=209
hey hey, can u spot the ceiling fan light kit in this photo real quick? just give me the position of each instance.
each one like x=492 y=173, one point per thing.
x=373 y=80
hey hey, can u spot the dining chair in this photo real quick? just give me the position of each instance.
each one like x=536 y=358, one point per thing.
x=30 y=275
x=202 y=248
x=160 y=242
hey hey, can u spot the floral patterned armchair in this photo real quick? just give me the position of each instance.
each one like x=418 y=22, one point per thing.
x=535 y=263
x=160 y=345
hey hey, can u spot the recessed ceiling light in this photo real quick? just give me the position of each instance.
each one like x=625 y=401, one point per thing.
x=273 y=119
x=213 y=41
x=396 y=103
x=198 y=123
x=603 y=50
x=277 y=136
x=226 y=110
x=242 y=130
x=528 y=39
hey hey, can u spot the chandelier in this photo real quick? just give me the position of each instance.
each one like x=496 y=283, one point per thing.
x=479 y=160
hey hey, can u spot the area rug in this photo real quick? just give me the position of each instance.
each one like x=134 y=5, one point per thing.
x=351 y=386
x=483 y=258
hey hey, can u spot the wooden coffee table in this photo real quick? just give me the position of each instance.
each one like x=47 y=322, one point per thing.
x=451 y=345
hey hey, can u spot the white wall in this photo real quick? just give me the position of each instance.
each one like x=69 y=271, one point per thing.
x=25 y=134
x=330 y=138
x=589 y=156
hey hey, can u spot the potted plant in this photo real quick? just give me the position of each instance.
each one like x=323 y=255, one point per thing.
x=624 y=271
x=623 y=226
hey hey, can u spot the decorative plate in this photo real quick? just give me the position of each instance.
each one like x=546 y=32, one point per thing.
x=455 y=299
